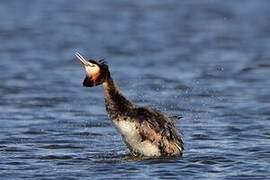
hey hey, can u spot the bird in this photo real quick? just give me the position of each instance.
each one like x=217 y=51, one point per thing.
x=147 y=132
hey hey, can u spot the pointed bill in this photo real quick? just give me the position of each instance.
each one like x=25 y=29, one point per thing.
x=82 y=60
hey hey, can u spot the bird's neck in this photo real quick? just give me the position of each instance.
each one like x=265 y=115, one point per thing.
x=116 y=104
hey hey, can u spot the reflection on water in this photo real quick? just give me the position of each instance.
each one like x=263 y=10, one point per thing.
x=206 y=61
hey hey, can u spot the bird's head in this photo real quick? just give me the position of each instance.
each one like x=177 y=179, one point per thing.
x=97 y=71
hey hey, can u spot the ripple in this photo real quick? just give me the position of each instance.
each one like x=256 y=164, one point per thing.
x=35 y=132
x=14 y=149
x=87 y=134
x=56 y=157
x=61 y=146
x=201 y=137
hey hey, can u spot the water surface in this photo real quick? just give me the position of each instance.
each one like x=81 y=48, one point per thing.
x=207 y=61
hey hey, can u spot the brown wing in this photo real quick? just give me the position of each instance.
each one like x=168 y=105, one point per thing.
x=159 y=129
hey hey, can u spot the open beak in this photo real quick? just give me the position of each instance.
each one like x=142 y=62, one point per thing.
x=82 y=60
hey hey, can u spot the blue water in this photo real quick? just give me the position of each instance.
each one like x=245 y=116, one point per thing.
x=208 y=61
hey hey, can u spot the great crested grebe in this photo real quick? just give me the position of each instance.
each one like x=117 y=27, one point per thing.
x=146 y=131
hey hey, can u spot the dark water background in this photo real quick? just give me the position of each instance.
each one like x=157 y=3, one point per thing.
x=208 y=61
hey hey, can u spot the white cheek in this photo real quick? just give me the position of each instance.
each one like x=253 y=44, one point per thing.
x=88 y=70
x=92 y=71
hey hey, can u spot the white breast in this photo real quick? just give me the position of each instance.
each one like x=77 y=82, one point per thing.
x=133 y=139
